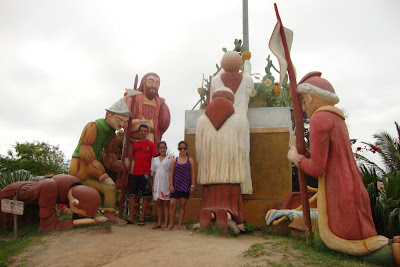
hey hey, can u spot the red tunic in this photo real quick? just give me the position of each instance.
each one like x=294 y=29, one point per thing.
x=347 y=200
x=160 y=114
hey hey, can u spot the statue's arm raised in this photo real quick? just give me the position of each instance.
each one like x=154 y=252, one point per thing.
x=87 y=155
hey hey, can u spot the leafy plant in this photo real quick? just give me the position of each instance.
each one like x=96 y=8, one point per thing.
x=385 y=202
x=269 y=93
x=3 y=262
x=8 y=177
x=289 y=217
x=250 y=229
x=387 y=147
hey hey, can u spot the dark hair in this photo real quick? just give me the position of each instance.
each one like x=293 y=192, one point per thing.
x=183 y=142
x=144 y=126
x=161 y=142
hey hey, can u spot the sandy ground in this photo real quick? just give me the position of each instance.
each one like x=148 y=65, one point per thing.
x=134 y=245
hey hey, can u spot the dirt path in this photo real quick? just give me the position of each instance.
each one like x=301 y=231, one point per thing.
x=136 y=246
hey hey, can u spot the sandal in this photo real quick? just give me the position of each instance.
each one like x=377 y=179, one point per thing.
x=182 y=228
x=156 y=226
x=130 y=222
x=140 y=223
x=167 y=229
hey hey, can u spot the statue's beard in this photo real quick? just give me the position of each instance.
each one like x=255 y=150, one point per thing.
x=151 y=92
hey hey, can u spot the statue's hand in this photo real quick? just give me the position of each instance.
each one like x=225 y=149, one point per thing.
x=127 y=163
x=117 y=166
x=100 y=219
x=109 y=181
x=103 y=177
x=294 y=156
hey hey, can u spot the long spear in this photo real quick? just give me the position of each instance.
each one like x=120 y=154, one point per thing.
x=299 y=130
x=124 y=173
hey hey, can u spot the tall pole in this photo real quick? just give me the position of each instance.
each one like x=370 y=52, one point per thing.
x=125 y=172
x=246 y=25
x=298 y=120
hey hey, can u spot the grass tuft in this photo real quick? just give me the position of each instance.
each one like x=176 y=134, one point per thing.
x=27 y=236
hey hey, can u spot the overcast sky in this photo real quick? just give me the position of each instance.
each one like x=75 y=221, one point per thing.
x=63 y=62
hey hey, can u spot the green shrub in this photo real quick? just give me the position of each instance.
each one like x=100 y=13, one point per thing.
x=8 y=177
x=385 y=204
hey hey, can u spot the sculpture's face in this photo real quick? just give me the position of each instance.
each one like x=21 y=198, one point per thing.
x=116 y=121
x=311 y=103
x=73 y=202
x=306 y=101
x=151 y=87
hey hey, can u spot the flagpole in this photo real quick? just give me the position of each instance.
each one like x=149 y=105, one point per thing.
x=246 y=25
x=299 y=130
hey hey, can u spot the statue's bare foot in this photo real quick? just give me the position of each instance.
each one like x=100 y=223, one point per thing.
x=100 y=219
x=396 y=253
x=222 y=219
x=117 y=221
x=205 y=219
x=396 y=239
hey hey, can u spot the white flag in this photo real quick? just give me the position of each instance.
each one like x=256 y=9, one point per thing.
x=276 y=47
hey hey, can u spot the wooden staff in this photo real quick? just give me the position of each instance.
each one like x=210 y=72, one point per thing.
x=299 y=130
x=124 y=174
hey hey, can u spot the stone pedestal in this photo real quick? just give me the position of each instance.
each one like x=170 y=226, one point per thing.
x=271 y=171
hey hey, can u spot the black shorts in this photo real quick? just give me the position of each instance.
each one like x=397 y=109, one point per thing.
x=142 y=182
x=179 y=194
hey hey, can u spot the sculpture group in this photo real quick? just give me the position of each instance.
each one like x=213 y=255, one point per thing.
x=222 y=145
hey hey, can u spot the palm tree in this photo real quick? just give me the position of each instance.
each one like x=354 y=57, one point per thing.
x=388 y=148
x=385 y=204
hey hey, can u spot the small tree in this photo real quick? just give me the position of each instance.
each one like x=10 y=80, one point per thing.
x=39 y=158
x=385 y=202
x=387 y=146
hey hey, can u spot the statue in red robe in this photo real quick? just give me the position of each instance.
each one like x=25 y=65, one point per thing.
x=147 y=108
x=344 y=212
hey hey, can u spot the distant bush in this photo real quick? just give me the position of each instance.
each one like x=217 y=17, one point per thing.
x=39 y=158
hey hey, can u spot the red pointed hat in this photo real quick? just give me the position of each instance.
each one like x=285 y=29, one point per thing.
x=314 y=85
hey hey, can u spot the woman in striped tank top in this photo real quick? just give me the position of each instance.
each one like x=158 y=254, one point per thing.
x=181 y=184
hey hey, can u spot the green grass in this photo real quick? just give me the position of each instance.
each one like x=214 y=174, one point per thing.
x=214 y=231
x=249 y=229
x=30 y=235
x=297 y=252
x=27 y=236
